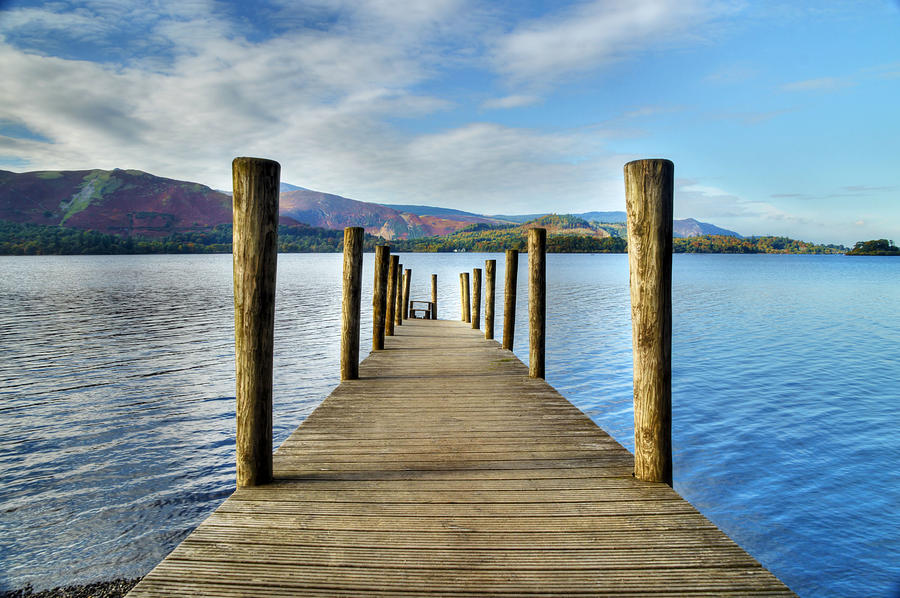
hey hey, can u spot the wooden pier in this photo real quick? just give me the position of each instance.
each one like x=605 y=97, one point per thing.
x=444 y=469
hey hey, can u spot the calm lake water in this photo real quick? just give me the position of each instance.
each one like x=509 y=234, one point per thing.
x=117 y=398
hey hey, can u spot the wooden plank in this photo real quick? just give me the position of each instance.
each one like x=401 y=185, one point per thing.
x=445 y=470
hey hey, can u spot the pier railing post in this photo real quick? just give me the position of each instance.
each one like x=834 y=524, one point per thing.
x=509 y=298
x=393 y=266
x=255 y=253
x=406 y=280
x=476 y=298
x=379 y=295
x=398 y=307
x=537 y=299
x=352 y=295
x=434 y=296
x=467 y=302
x=490 y=275
x=649 y=188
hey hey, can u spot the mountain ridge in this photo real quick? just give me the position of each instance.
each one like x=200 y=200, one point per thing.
x=135 y=203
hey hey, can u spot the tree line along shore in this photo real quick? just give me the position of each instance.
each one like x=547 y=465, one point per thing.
x=33 y=239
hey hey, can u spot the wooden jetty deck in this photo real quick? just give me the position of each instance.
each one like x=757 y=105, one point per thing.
x=445 y=470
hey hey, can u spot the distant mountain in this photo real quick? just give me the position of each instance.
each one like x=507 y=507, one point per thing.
x=687 y=227
x=333 y=211
x=447 y=213
x=604 y=216
x=693 y=228
x=135 y=203
x=588 y=216
x=120 y=202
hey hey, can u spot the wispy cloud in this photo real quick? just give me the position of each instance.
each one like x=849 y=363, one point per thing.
x=594 y=34
x=319 y=98
x=513 y=101
x=868 y=188
x=845 y=191
x=820 y=84
x=707 y=201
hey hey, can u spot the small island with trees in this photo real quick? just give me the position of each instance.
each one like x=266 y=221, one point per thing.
x=875 y=247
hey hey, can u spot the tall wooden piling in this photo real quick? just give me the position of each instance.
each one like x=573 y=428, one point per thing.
x=434 y=296
x=649 y=190
x=255 y=251
x=380 y=295
x=462 y=298
x=476 y=298
x=398 y=307
x=537 y=299
x=509 y=298
x=352 y=295
x=490 y=275
x=467 y=303
x=406 y=279
x=393 y=267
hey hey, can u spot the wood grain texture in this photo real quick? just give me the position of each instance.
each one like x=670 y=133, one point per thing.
x=476 y=298
x=255 y=253
x=393 y=271
x=509 y=298
x=351 y=302
x=490 y=279
x=467 y=302
x=446 y=470
x=537 y=300
x=380 y=296
x=649 y=188
x=407 y=276
x=462 y=298
x=434 y=296
x=398 y=306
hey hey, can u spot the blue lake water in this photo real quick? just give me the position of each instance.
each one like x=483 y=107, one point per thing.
x=117 y=398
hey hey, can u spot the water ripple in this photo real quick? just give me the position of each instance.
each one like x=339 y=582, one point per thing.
x=117 y=393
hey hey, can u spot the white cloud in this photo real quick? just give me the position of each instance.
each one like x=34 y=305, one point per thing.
x=513 y=101
x=746 y=216
x=596 y=33
x=320 y=102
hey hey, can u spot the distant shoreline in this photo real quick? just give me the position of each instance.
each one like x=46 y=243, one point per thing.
x=31 y=239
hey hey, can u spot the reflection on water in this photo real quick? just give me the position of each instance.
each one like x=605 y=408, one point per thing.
x=117 y=398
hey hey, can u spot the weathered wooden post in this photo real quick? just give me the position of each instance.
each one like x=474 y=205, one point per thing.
x=380 y=295
x=537 y=299
x=391 y=295
x=352 y=295
x=462 y=298
x=255 y=253
x=398 y=308
x=406 y=279
x=509 y=298
x=649 y=190
x=434 y=296
x=490 y=274
x=467 y=303
x=476 y=298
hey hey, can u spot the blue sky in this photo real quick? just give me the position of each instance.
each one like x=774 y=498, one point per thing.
x=781 y=117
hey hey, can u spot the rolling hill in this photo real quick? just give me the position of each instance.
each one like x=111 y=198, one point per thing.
x=132 y=203
x=120 y=202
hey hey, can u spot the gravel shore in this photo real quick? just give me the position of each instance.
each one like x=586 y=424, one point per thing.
x=102 y=589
